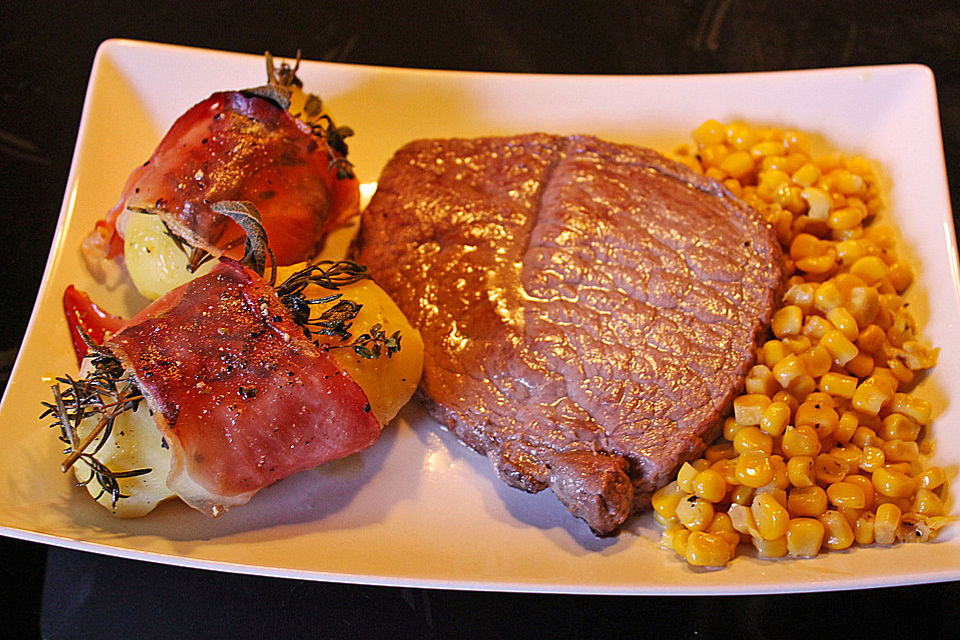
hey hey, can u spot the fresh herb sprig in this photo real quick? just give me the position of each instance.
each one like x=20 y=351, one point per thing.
x=103 y=394
x=370 y=345
x=280 y=85
x=338 y=319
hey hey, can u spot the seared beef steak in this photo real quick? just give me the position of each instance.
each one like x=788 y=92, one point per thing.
x=589 y=310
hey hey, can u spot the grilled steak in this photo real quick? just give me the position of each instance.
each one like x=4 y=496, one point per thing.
x=589 y=310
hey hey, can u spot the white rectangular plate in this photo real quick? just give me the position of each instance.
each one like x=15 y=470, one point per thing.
x=418 y=508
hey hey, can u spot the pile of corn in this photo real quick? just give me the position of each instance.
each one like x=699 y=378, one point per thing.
x=824 y=448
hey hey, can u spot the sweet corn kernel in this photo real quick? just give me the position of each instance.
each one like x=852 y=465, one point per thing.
x=828 y=469
x=760 y=380
x=664 y=501
x=710 y=485
x=817 y=361
x=898 y=426
x=719 y=451
x=769 y=148
x=806 y=501
x=844 y=218
x=861 y=366
x=694 y=512
x=919 y=409
x=742 y=520
x=865 y=437
x=730 y=428
x=901 y=450
x=892 y=483
x=780 y=480
x=931 y=478
x=801 y=295
x=802 y=387
x=770 y=516
x=902 y=503
x=822 y=418
x=846 y=495
x=863 y=529
x=928 y=503
x=737 y=164
x=840 y=347
x=870 y=397
x=753 y=439
x=846 y=427
x=864 y=304
x=800 y=471
x=776 y=548
x=819 y=264
x=900 y=276
x=901 y=371
x=844 y=322
x=753 y=469
x=838 y=534
x=805 y=176
x=704 y=549
x=669 y=533
x=787 y=321
x=679 y=540
x=848 y=183
x=848 y=452
x=788 y=369
x=775 y=418
x=905 y=468
x=774 y=351
x=872 y=459
x=838 y=384
x=685 y=476
x=748 y=409
x=797 y=344
x=665 y=522
x=886 y=522
x=742 y=494
x=700 y=464
x=815 y=327
x=721 y=522
x=871 y=338
x=727 y=469
x=800 y=441
x=804 y=537
x=827 y=296
x=709 y=133
x=866 y=485
x=870 y=268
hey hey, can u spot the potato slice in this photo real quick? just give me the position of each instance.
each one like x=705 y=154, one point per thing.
x=134 y=443
x=154 y=261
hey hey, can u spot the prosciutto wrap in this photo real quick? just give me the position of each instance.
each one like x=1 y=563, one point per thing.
x=239 y=394
x=238 y=146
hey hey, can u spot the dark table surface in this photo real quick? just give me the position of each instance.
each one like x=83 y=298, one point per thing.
x=46 y=51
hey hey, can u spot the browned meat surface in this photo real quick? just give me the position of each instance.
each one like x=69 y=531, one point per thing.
x=589 y=310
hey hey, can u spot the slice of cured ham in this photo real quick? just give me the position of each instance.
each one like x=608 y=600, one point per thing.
x=239 y=394
x=237 y=146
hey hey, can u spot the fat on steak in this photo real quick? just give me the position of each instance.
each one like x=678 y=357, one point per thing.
x=589 y=310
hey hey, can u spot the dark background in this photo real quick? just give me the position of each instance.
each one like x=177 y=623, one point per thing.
x=46 y=52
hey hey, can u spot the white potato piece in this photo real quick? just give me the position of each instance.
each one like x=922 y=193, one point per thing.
x=154 y=261
x=133 y=443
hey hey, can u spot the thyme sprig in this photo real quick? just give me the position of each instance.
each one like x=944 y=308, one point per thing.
x=338 y=319
x=104 y=394
x=281 y=82
x=370 y=345
x=329 y=274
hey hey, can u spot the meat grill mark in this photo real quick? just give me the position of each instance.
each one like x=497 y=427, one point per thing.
x=588 y=309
